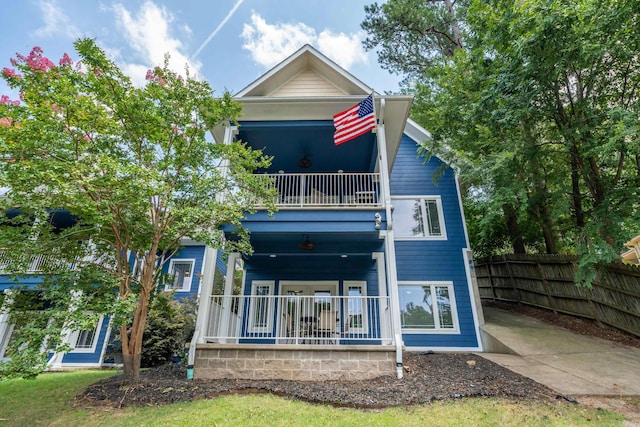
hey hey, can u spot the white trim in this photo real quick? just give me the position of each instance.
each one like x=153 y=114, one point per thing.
x=423 y=199
x=186 y=284
x=362 y=284
x=291 y=59
x=386 y=331
x=464 y=220
x=73 y=339
x=474 y=295
x=434 y=304
x=271 y=284
x=105 y=343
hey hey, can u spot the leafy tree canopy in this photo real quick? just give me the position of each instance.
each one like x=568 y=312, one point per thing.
x=538 y=108
x=134 y=170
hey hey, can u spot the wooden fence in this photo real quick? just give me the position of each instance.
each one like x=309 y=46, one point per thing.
x=548 y=281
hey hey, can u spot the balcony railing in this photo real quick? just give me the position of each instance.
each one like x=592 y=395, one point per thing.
x=295 y=319
x=326 y=189
x=34 y=263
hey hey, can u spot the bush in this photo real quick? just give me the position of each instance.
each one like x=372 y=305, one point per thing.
x=170 y=324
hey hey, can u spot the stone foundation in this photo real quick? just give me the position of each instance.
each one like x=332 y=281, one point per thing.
x=293 y=362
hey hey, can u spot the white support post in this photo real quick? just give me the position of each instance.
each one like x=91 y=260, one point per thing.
x=389 y=244
x=225 y=317
x=385 y=309
x=208 y=272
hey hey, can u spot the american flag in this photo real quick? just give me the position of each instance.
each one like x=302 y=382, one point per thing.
x=354 y=121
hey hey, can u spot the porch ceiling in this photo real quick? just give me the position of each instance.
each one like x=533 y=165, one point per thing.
x=289 y=142
x=282 y=249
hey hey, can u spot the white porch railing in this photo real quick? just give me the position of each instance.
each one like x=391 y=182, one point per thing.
x=295 y=319
x=326 y=189
x=35 y=263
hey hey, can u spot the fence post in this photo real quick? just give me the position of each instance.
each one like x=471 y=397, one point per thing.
x=513 y=283
x=545 y=285
x=489 y=265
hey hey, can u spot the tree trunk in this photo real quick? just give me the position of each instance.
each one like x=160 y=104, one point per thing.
x=514 y=230
x=131 y=364
x=455 y=28
x=575 y=188
x=131 y=337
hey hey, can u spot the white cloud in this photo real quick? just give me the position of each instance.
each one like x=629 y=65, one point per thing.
x=55 y=21
x=344 y=49
x=271 y=43
x=148 y=33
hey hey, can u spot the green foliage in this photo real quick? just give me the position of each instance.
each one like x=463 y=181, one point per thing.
x=170 y=325
x=133 y=167
x=539 y=111
x=410 y=35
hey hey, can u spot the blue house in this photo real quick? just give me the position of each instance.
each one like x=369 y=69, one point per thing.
x=87 y=346
x=366 y=257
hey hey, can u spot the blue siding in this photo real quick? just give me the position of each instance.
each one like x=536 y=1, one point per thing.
x=94 y=358
x=434 y=260
x=190 y=252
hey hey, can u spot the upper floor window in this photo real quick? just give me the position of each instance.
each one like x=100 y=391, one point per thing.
x=181 y=271
x=418 y=217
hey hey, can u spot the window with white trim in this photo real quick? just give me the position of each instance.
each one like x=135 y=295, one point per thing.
x=418 y=217
x=356 y=307
x=84 y=341
x=181 y=272
x=427 y=306
x=261 y=306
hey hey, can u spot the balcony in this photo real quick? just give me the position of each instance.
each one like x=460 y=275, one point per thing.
x=318 y=190
x=296 y=319
x=30 y=264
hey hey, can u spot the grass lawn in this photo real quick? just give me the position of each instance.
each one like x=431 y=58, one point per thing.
x=47 y=401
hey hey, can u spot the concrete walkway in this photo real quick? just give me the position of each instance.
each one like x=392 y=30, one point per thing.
x=570 y=364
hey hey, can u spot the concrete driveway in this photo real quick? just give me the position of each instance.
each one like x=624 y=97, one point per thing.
x=568 y=363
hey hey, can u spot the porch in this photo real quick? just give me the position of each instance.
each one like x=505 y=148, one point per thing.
x=295 y=319
x=312 y=190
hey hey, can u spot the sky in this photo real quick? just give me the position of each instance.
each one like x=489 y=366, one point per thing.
x=228 y=43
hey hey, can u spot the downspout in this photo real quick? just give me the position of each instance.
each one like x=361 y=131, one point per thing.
x=390 y=250
x=206 y=282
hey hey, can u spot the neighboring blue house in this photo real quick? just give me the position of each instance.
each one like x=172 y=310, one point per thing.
x=365 y=258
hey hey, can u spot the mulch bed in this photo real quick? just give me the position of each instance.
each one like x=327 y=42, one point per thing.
x=427 y=377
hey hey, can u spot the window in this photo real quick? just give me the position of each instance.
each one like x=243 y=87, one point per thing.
x=418 y=217
x=6 y=337
x=261 y=306
x=356 y=307
x=427 y=306
x=181 y=271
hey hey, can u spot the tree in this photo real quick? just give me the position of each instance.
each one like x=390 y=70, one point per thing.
x=542 y=106
x=134 y=170
x=412 y=34
x=414 y=38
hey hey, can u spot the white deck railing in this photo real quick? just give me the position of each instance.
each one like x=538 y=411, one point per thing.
x=299 y=320
x=34 y=263
x=326 y=189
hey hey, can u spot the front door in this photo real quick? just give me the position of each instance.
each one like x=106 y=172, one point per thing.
x=305 y=303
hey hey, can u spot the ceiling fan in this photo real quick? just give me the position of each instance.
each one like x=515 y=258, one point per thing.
x=307 y=245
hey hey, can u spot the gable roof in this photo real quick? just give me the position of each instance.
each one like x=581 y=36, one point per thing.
x=309 y=86
x=303 y=60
